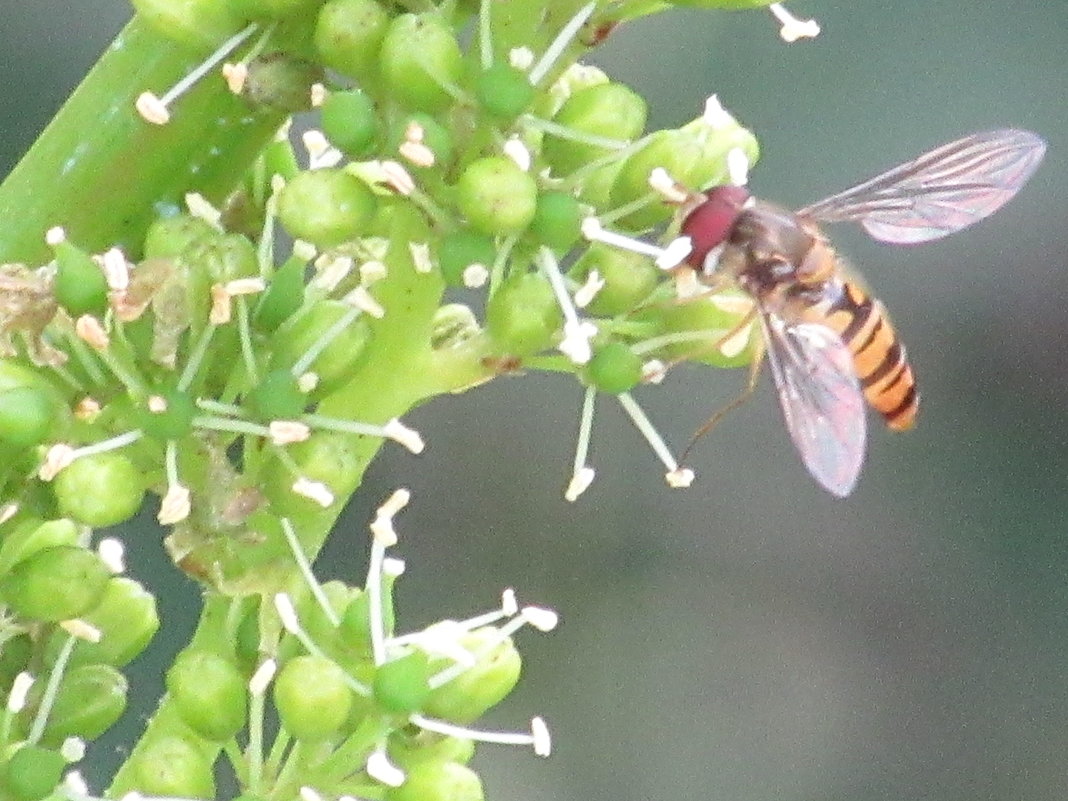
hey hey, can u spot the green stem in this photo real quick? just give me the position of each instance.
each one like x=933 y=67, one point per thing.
x=104 y=174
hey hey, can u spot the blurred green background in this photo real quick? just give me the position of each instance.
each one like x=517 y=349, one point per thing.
x=752 y=638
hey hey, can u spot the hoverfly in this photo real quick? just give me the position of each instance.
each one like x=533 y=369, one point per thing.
x=830 y=344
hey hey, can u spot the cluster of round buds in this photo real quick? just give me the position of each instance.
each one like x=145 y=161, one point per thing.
x=69 y=622
x=362 y=709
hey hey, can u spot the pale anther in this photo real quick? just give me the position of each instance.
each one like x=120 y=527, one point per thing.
x=221 y=307
x=738 y=166
x=675 y=253
x=715 y=116
x=518 y=152
x=361 y=299
x=400 y=433
x=314 y=491
x=392 y=567
x=397 y=177
x=793 y=28
x=72 y=749
x=86 y=410
x=579 y=483
x=20 y=689
x=679 y=478
x=112 y=553
x=317 y=95
x=509 y=604
x=332 y=270
x=420 y=252
x=57 y=457
x=81 y=629
x=286 y=432
x=287 y=613
x=320 y=152
x=235 y=76
x=308 y=381
x=245 y=286
x=543 y=745
x=309 y=794
x=585 y=294
x=152 y=109
x=55 y=236
x=380 y=769
x=417 y=154
x=661 y=182
x=522 y=58
x=371 y=271
x=475 y=275
x=8 y=511
x=262 y=678
x=175 y=506
x=540 y=618
x=653 y=371
x=75 y=786
x=116 y=270
x=202 y=209
x=90 y=330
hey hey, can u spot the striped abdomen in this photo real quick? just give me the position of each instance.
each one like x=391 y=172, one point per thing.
x=878 y=355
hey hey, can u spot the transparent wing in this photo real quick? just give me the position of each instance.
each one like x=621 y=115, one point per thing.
x=821 y=400
x=942 y=191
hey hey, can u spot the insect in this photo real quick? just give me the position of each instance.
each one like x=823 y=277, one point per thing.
x=830 y=345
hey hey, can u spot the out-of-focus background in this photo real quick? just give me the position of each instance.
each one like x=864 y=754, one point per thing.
x=752 y=638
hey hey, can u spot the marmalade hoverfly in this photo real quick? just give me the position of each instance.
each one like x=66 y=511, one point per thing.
x=830 y=344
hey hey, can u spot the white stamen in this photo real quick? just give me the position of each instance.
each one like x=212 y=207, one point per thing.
x=372 y=271
x=441 y=639
x=560 y=43
x=675 y=253
x=517 y=152
x=332 y=270
x=392 y=567
x=653 y=371
x=317 y=95
x=579 y=483
x=679 y=478
x=75 y=786
x=398 y=177
x=72 y=749
x=112 y=553
x=262 y=678
x=200 y=208
x=221 y=307
x=408 y=437
x=540 y=618
x=91 y=330
x=81 y=629
x=307 y=382
x=577 y=333
x=20 y=690
x=380 y=769
x=287 y=613
x=793 y=28
x=303 y=250
x=420 y=252
x=475 y=275
x=58 y=456
x=539 y=731
x=314 y=491
x=152 y=109
x=309 y=794
x=738 y=166
x=715 y=116
x=286 y=432
x=156 y=404
x=245 y=286
x=55 y=236
x=361 y=299
x=116 y=270
x=235 y=76
x=652 y=436
x=521 y=58
x=8 y=511
x=320 y=152
x=661 y=182
x=417 y=153
x=538 y=737
x=585 y=294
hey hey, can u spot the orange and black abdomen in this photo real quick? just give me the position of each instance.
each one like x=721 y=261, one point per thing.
x=878 y=355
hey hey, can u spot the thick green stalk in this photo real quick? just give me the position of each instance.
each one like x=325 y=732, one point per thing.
x=104 y=174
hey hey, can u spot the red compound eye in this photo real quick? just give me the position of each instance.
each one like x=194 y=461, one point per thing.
x=709 y=224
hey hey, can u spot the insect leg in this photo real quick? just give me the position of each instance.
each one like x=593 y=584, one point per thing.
x=743 y=396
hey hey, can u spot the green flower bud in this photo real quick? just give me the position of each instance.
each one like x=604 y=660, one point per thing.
x=127 y=620
x=481 y=687
x=31 y=535
x=496 y=196
x=557 y=221
x=209 y=693
x=284 y=295
x=274 y=9
x=32 y=773
x=407 y=749
x=326 y=207
x=453 y=326
x=279 y=82
x=711 y=320
x=339 y=360
x=523 y=316
x=200 y=24
x=614 y=368
x=400 y=684
x=100 y=489
x=629 y=278
x=312 y=697
x=276 y=397
x=224 y=257
x=460 y=249
x=170 y=420
x=169 y=237
x=27 y=415
x=420 y=53
x=349 y=34
x=609 y=110
x=55 y=584
x=90 y=699
x=503 y=91
x=438 y=781
x=80 y=286
x=171 y=766
x=351 y=123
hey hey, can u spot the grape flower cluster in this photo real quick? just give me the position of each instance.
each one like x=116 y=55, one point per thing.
x=467 y=201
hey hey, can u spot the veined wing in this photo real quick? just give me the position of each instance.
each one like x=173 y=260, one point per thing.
x=942 y=191
x=821 y=400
